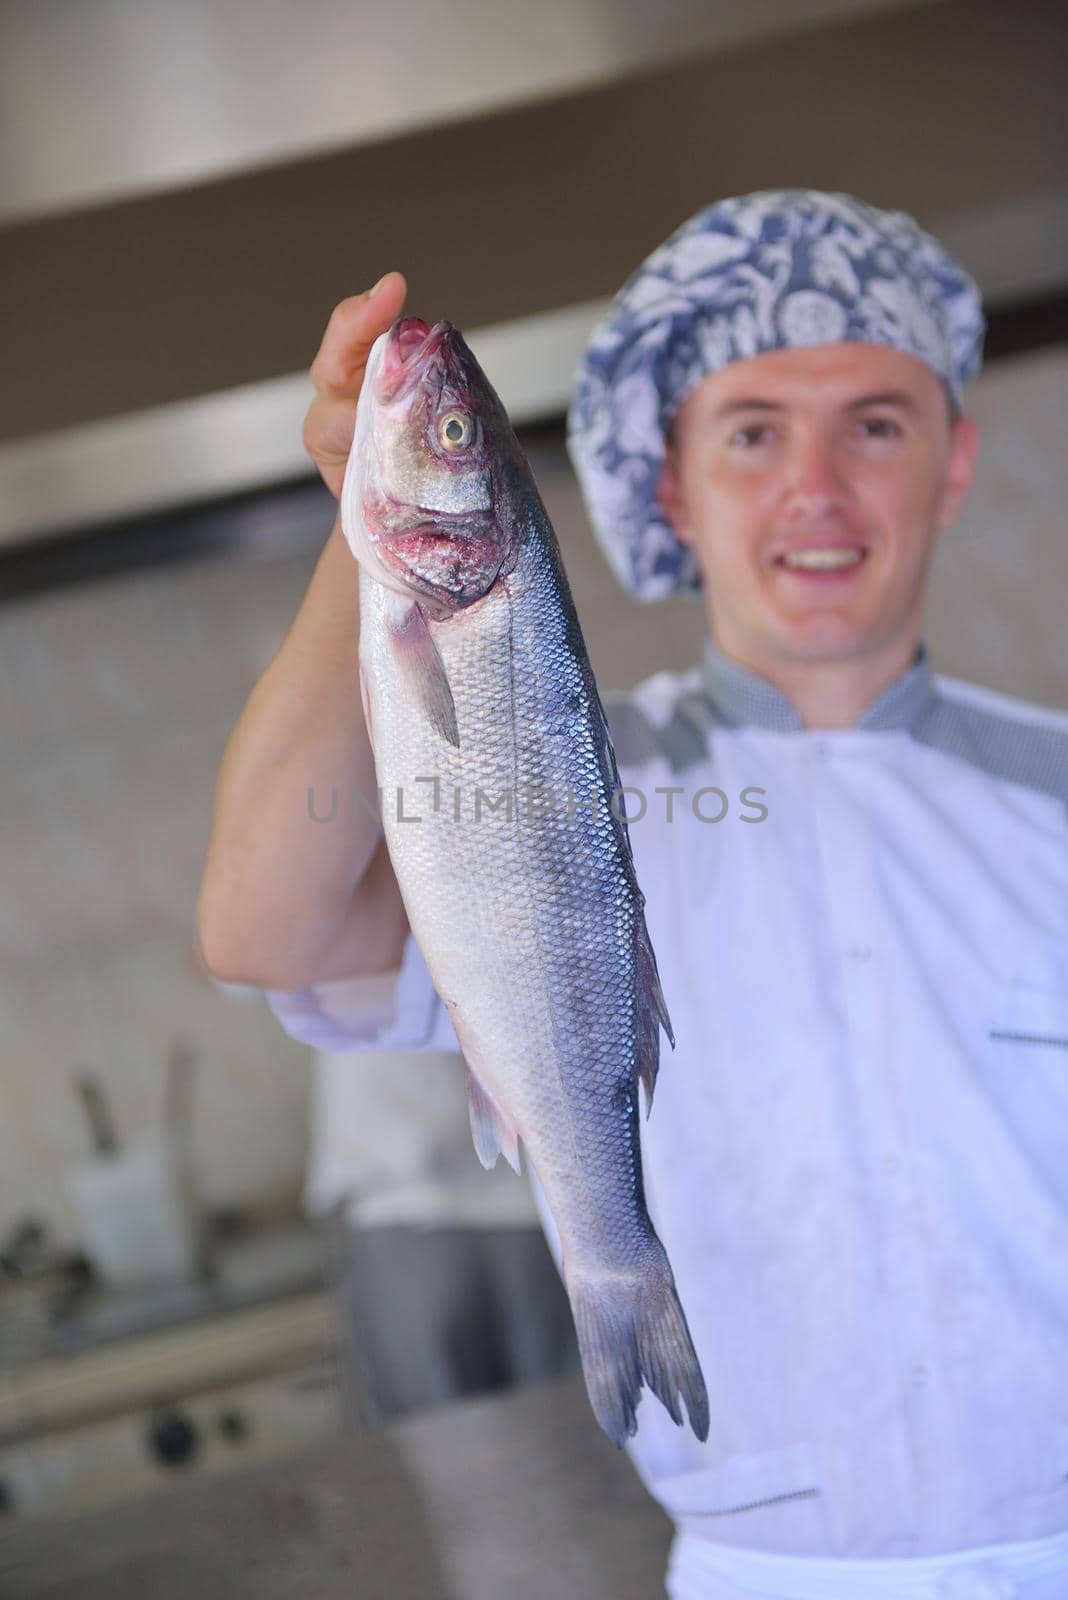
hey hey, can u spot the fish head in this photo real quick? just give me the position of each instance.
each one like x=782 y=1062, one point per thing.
x=425 y=501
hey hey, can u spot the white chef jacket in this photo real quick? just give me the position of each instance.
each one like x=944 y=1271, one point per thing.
x=858 y=1153
x=389 y=1136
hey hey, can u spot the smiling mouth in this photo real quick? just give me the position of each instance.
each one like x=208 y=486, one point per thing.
x=823 y=559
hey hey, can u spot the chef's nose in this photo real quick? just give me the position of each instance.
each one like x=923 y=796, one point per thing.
x=814 y=477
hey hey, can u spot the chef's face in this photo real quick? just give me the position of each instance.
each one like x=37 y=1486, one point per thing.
x=792 y=460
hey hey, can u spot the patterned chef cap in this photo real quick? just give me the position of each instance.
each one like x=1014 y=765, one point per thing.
x=768 y=271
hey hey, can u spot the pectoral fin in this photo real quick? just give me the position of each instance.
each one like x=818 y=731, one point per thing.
x=417 y=656
x=365 y=701
x=492 y=1133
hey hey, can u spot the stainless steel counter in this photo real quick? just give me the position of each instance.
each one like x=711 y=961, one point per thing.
x=518 y=1495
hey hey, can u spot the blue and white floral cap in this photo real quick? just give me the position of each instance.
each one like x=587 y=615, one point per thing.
x=769 y=271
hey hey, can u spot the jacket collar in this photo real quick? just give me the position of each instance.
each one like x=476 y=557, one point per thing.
x=742 y=697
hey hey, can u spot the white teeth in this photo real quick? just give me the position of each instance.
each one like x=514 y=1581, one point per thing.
x=826 y=558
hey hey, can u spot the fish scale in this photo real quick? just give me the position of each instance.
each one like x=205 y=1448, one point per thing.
x=531 y=924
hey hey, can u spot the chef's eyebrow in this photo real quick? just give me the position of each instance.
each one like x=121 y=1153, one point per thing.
x=729 y=407
x=885 y=397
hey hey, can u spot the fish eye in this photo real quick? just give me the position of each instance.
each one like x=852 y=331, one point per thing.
x=456 y=430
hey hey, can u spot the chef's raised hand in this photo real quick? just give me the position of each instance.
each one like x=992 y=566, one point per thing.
x=337 y=373
x=285 y=902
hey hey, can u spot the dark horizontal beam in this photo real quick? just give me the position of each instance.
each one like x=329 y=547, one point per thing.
x=936 y=109
x=289 y=519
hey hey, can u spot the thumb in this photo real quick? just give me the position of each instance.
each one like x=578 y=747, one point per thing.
x=354 y=325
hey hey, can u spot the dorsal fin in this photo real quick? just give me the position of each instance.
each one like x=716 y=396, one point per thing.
x=654 y=1015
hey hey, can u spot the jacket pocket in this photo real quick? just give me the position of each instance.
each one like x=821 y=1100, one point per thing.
x=1025 y=1061
x=1031 y=1017
x=774 y=1498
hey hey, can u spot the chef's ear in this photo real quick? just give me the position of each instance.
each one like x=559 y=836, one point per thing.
x=670 y=496
x=960 y=469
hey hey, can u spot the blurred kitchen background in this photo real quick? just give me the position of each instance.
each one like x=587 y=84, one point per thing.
x=185 y=192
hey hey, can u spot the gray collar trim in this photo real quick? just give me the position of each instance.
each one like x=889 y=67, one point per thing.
x=743 y=697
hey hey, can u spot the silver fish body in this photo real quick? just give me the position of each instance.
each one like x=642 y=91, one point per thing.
x=503 y=820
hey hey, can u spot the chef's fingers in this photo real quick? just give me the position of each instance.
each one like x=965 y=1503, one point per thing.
x=327 y=436
x=354 y=325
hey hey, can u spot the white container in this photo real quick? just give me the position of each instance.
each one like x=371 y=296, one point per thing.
x=138 y=1218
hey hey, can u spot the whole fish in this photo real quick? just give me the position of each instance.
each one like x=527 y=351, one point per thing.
x=503 y=820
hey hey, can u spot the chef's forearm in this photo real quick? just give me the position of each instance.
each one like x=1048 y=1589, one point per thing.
x=278 y=884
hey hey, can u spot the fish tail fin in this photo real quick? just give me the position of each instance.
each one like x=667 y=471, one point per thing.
x=632 y=1329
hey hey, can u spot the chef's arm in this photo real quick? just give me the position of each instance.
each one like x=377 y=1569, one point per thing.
x=288 y=900
x=297 y=886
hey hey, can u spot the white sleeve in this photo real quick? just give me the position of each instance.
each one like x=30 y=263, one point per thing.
x=397 y=1011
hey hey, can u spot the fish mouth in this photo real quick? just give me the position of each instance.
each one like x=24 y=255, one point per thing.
x=409 y=335
x=410 y=346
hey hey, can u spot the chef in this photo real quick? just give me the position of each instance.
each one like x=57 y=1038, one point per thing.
x=858 y=1158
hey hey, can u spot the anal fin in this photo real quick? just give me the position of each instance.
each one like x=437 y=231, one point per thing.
x=492 y=1133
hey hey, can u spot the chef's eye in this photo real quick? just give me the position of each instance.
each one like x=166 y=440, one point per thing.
x=455 y=430
x=757 y=433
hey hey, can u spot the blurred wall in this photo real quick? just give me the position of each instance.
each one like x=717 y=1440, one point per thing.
x=117 y=699
x=946 y=110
